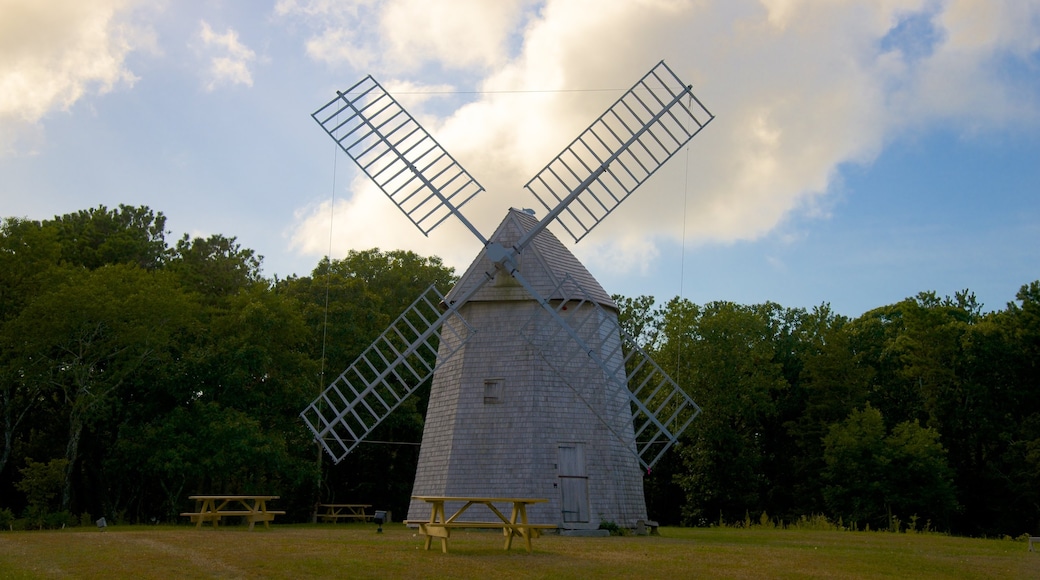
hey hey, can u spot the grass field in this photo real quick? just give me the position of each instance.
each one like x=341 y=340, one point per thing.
x=356 y=551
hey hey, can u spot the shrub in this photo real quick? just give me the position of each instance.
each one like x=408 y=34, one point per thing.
x=6 y=519
x=58 y=520
x=41 y=518
x=765 y=522
x=816 y=522
x=41 y=482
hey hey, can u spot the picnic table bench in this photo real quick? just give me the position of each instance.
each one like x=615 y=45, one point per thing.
x=333 y=512
x=210 y=508
x=516 y=525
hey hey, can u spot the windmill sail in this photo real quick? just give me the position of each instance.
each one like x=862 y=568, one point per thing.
x=390 y=146
x=623 y=394
x=619 y=151
x=389 y=370
x=660 y=409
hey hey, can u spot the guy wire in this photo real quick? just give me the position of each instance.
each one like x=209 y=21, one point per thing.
x=682 y=249
x=328 y=269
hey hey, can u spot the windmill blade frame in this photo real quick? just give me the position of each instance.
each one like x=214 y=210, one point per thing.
x=660 y=409
x=384 y=375
x=619 y=151
x=422 y=179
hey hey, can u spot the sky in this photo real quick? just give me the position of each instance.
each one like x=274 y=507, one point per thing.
x=861 y=152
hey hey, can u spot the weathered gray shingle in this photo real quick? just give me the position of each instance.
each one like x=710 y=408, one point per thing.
x=552 y=396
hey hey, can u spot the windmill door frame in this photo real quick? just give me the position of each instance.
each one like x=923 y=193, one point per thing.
x=574 y=483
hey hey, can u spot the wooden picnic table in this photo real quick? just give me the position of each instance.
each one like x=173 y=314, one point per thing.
x=516 y=524
x=335 y=511
x=210 y=508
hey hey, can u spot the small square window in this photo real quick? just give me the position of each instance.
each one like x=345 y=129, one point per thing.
x=492 y=391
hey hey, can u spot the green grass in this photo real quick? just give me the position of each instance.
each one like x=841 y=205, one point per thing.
x=356 y=551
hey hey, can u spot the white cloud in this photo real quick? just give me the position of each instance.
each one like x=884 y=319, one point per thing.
x=54 y=53
x=404 y=35
x=799 y=89
x=459 y=34
x=230 y=63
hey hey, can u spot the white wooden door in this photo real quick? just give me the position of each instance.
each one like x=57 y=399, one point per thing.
x=574 y=483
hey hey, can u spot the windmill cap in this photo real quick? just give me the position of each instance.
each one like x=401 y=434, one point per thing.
x=545 y=263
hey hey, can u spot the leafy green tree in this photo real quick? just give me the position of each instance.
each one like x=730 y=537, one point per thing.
x=204 y=448
x=97 y=237
x=89 y=336
x=727 y=364
x=347 y=304
x=872 y=338
x=254 y=358
x=1011 y=353
x=216 y=266
x=872 y=475
x=251 y=359
x=29 y=254
x=959 y=363
x=40 y=483
x=920 y=480
x=28 y=251
x=854 y=452
x=832 y=382
x=640 y=319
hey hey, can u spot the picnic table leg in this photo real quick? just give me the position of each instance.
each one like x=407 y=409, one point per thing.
x=433 y=518
x=439 y=507
x=258 y=511
x=519 y=511
x=215 y=509
x=267 y=518
x=261 y=507
x=207 y=507
x=526 y=531
x=510 y=531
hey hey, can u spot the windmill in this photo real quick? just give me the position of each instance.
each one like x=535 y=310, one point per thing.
x=537 y=390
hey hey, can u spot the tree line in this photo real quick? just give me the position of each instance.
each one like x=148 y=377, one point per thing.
x=924 y=412
x=135 y=372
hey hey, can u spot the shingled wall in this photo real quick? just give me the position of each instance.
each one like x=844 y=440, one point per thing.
x=480 y=440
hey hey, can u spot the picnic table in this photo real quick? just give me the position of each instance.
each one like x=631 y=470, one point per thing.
x=516 y=525
x=333 y=512
x=210 y=508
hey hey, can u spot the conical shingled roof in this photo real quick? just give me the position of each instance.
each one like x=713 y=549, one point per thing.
x=545 y=262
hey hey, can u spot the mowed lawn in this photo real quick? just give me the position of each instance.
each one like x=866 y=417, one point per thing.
x=357 y=551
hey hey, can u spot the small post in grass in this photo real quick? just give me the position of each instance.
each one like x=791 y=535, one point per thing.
x=380 y=517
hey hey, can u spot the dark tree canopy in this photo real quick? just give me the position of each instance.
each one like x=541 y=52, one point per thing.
x=215 y=266
x=920 y=410
x=133 y=374
x=99 y=236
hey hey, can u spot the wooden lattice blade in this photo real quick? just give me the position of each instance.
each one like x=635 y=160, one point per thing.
x=619 y=151
x=659 y=410
x=397 y=153
x=390 y=370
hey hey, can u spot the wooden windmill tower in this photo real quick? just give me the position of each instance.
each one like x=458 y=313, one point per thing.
x=537 y=391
